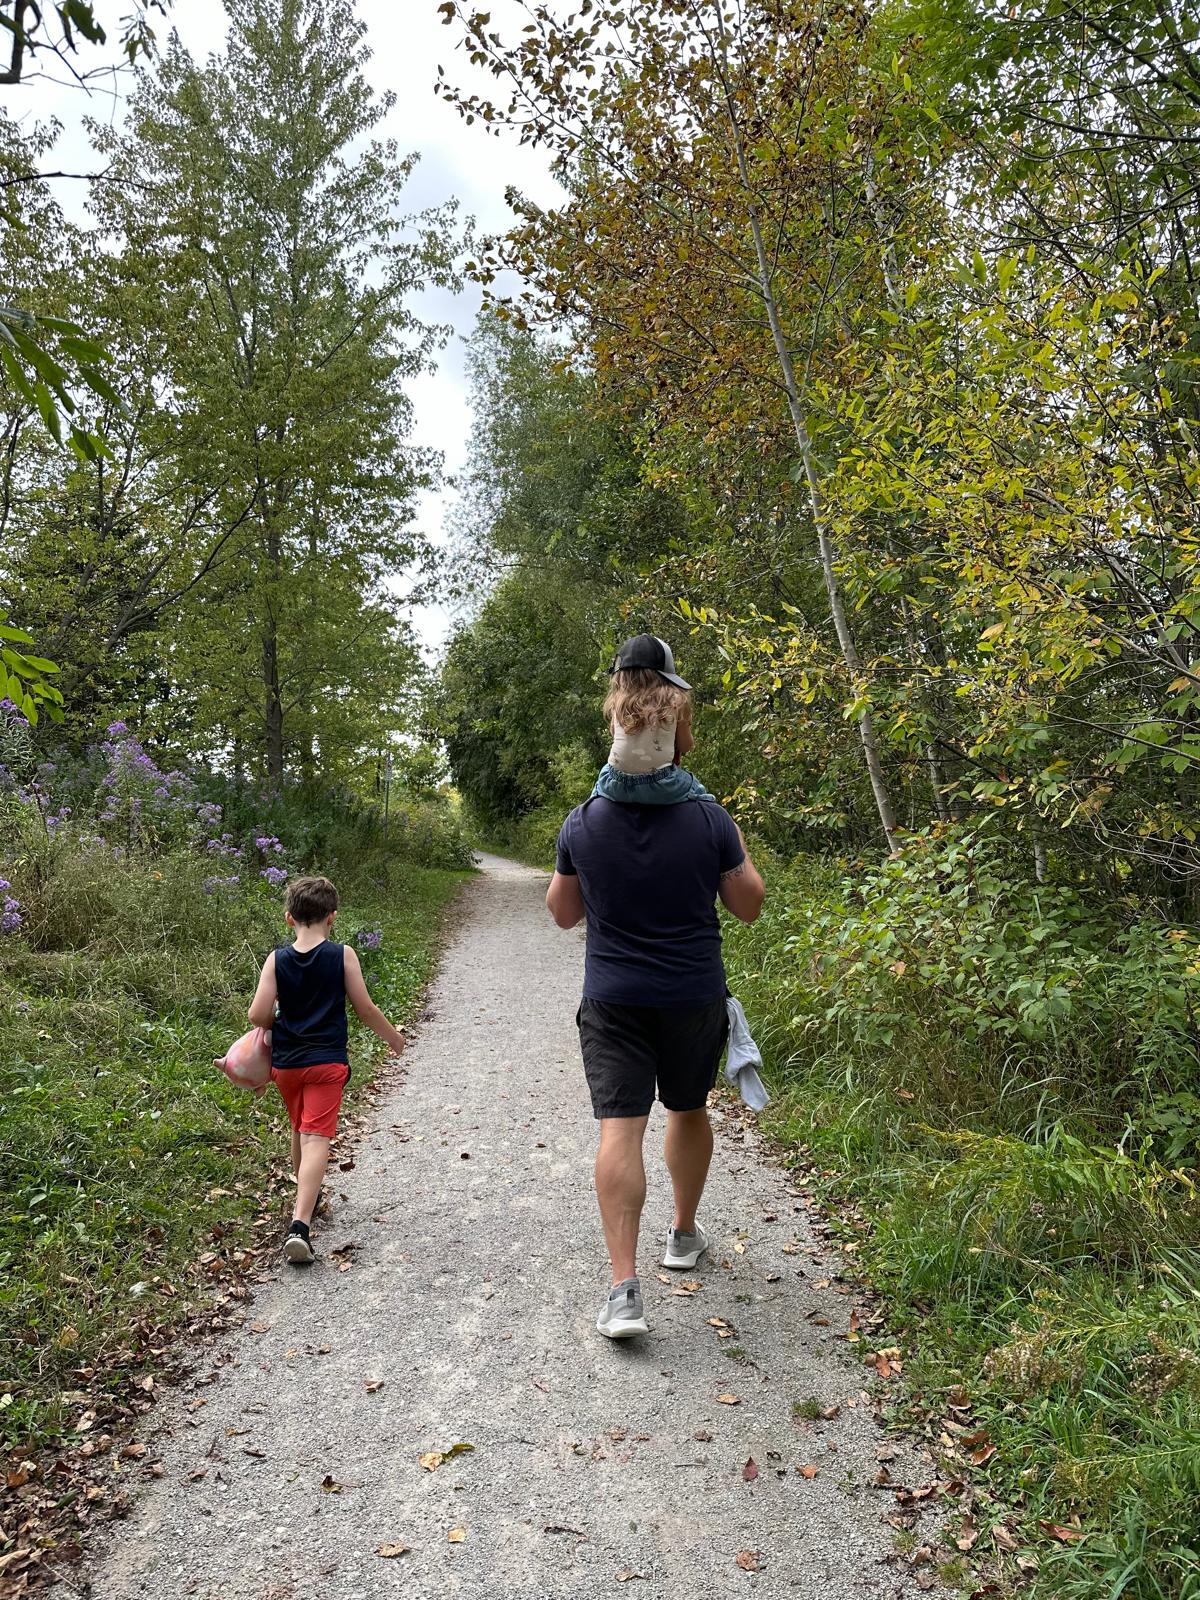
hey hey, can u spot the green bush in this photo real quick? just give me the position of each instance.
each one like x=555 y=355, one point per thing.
x=982 y=987
x=1000 y=1078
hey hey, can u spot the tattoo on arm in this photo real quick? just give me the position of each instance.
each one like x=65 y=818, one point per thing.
x=734 y=872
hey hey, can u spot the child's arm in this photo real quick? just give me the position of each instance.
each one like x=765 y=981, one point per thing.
x=262 y=1007
x=365 y=1009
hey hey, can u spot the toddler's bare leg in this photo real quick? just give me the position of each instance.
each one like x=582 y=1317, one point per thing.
x=314 y=1158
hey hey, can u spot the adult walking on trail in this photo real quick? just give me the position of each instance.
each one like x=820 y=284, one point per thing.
x=646 y=872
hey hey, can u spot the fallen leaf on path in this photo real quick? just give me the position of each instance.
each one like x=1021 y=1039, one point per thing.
x=197 y=1473
x=750 y=1470
x=830 y=1412
x=456 y=1535
x=692 y=1286
x=703 y=1435
x=967 y=1536
x=373 y=1385
x=748 y=1560
x=260 y=1327
x=809 y=1471
x=432 y=1459
x=728 y=1400
x=925 y=1578
x=663 y=1277
x=330 y=1485
x=1002 y=1538
x=132 y=1452
x=260 y=1455
x=561 y=1527
x=626 y=1573
x=852 y=1335
x=387 y=1551
x=773 y=1277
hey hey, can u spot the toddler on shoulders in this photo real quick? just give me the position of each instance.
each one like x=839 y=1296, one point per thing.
x=649 y=709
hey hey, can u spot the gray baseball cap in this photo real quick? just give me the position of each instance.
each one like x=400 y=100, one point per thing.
x=646 y=650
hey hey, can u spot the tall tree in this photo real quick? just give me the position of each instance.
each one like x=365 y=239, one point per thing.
x=266 y=248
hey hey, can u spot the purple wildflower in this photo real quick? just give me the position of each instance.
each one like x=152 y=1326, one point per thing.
x=10 y=915
x=275 y=876
x=369 y=938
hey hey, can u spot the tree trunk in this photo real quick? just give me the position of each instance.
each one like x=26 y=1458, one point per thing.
x=272 y=697
x=825 y=545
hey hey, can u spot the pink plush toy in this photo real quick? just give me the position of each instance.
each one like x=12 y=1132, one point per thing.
x=247 y=1062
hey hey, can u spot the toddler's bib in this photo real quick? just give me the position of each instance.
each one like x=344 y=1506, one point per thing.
x=644 y=751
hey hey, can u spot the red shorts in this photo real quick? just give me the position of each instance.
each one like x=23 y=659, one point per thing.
x=313 y=1095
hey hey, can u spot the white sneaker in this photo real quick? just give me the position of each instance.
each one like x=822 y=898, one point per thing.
x=622 y=1314
x=684 y=1249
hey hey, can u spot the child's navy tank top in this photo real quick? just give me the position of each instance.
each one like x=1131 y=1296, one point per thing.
x=310 y=1024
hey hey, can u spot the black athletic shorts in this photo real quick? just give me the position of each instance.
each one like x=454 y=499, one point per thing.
x=627 y=1050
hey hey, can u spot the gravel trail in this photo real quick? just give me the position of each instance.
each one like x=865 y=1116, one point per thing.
x=471 y=1292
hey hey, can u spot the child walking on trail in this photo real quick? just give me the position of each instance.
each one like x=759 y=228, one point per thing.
x=301 y=997
x=649 y=709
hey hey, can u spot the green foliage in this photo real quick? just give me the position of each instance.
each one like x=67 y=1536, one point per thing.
x=233 y=553
x=947 y=947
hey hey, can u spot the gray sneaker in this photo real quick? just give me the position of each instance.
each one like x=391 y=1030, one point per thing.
x=622 y=1314
x=685 y=1249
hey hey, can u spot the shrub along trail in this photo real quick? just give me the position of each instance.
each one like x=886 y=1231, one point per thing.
x=452 y=1305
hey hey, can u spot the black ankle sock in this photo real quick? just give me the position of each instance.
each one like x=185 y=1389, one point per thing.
x=299 y=1227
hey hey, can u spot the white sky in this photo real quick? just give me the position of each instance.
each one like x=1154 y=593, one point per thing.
x=408 y=42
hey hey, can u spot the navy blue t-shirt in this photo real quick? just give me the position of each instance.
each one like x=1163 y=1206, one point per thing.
x=649 y=878
x=310 y=1022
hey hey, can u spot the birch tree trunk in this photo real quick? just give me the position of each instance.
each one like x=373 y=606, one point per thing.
x=812 y=480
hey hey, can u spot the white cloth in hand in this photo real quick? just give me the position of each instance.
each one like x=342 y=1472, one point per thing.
x=744 y=1059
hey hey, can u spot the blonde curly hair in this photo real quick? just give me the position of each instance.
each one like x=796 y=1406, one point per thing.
x=639 y=698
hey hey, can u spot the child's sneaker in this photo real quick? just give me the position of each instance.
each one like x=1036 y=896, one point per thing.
x=296 y=1247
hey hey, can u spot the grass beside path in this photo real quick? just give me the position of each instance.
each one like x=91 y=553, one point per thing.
x=126 y=1156
x=1023 y=1187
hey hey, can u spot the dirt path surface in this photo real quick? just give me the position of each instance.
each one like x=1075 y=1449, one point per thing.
x=465 y=1313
